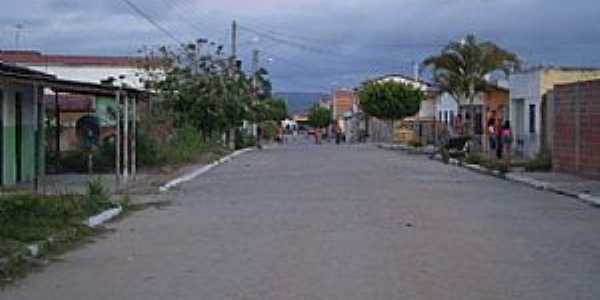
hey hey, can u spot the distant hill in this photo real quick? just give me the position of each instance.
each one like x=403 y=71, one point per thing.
x=299 y=102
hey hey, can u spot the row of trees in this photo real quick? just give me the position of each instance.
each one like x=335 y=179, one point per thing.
x=208 y=91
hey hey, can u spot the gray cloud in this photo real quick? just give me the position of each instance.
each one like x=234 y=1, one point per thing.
x=343 y=41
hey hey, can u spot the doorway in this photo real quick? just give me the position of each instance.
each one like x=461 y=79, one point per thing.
x=519 y=124
x=19 y=135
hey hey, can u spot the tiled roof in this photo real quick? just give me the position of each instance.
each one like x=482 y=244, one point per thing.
x=37 y=58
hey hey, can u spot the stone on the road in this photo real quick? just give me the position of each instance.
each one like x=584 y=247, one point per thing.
x=338 y=222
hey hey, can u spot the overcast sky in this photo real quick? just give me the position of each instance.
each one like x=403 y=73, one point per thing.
x=311 y=45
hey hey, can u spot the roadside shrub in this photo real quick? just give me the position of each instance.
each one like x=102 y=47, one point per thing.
x=244 y=140
x=184 y=146
x=542 y=163
x=148 y=150
x=496 y=165
x=475 y=159
x=269 y=129
x=416 y=143
x=96 y=189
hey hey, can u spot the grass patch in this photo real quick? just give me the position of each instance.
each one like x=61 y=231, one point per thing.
x=55 y=223
x=185 y=146
x=481 y=160
x=416 y=144
x=542 y=163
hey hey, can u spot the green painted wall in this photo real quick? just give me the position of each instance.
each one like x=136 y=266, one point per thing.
x=9 y=130
x=103 y=107
x=27 y=153
x=9 y=153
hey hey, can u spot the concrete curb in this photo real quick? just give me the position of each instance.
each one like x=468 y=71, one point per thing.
x=36 y=250
x=202 y=170
x=531 y=182
x=406 y=148
x=104 y=217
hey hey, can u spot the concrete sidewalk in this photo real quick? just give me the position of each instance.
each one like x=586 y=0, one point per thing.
x=583 y=189
x=570 y=185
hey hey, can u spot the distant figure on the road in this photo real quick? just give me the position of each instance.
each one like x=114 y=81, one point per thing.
x=280 y=135
x=338 y=134
x=259 y=133
x=499 y=139
x=507 y=140
x=318 y=136
x=492 y=138
x=459 y=125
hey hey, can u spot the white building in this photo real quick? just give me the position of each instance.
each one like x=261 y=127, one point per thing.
x=446 y=108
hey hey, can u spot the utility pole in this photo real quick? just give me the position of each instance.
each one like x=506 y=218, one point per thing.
x=234 y=39
x=417 y=71
x=255 y=61
x=18 y=29
x=199 y=44
x=255 y=54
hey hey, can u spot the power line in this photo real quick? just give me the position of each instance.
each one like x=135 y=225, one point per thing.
x=188 y=7
x=150 y=20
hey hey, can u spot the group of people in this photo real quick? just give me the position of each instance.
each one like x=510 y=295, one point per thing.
x=499 y=137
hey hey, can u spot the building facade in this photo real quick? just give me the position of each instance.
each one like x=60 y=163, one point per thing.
x=531 y=112
x=71 y=108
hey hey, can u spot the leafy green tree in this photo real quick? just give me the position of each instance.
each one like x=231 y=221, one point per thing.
x=462 y=66
x=390 y=100
x=201 y=89
x=271 y=110
x=319 y=117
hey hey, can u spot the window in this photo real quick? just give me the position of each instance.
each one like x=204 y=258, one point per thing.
x=451 y=117
x=440 y=118
x=532 y=120
x=446 y=117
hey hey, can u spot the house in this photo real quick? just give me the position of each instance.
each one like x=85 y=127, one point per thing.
x=576 y=128
x=344 y=104
x=21 y=92
x=531 y=113
x=23 y=121
x=69 y=108
x=493 y=101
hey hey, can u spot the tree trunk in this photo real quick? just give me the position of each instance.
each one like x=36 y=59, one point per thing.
x=392 y=132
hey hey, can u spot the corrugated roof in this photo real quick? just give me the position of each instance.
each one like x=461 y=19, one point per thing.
x=21 y=72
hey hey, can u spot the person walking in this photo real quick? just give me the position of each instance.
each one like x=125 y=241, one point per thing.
x=492 y=138
x=507 y=140
x=338 y=134
x=259 y=133
x=318 y=136
x=499 y=141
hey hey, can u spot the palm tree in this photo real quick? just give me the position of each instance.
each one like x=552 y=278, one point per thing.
x=462 y=66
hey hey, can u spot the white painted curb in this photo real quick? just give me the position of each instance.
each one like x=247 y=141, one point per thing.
x=190 y=176
x=35 y=250
x=593 y=200
x=104 y=217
